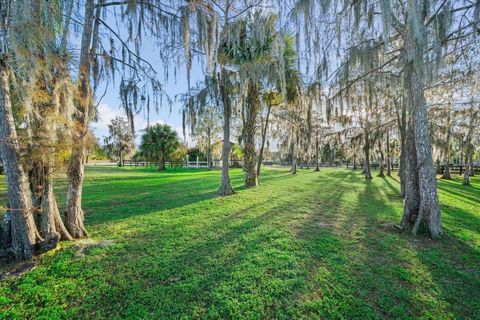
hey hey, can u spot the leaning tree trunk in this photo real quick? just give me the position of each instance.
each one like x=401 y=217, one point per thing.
x=252 y=105
x=264 y=137
x=19 y=230
x=429 y=215
x=225 y=184
x=74 y=213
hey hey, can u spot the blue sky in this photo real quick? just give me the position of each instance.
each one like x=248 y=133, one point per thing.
x=110 y=104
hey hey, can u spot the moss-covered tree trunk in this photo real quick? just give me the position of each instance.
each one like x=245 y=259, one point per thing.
x=469 y=170
x=381 y=167
x=389 y=156
x=366 y=150
x=209 y=149
x=252 y=108
x=402 y=126
x=74 y=213
x=264 y=138
x=446 y=151
x=411 y=203
x=294 y=147
x=19 y=233
x=225 y=183
x=428 y=216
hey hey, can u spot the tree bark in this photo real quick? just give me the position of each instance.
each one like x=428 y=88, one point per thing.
x=252 y=106
x=21 y=229
x=293 y=170
x=381 y=174
x=209 y=148
x=225 y=184
x=401 y=113
x=411 y=203
x=51 y=225
x=389 y=156
x=74 y=214
x=317 y=154
x=264 y=137
x=366 y=150
x=429 y=215
x=161 y=163
x=469 y=150
x=446 y=151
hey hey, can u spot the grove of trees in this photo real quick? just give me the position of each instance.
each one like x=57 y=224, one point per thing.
x=379 y=81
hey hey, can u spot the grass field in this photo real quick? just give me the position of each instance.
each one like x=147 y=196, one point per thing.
x=314 y=245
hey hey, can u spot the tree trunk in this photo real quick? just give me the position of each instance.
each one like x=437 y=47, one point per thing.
x=401 y=113
x=446 y=150
x=225 y=184
x=120 y=164
x=293 y=170
x=429 y=215
x=389 y=156
x=252 y=105
x=74 y=214
x=366 y=149
x=161 y=163
x=411 y=203
x=20 y=231
x=381 y=174
x=317 y=154
x=209 y=143
x=51 y=225
x=264 y=137
x=354 y=161
x=469 y=170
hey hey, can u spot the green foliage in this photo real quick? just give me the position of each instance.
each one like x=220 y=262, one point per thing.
x=120 y=143
x=311 y=246
x=159 y=142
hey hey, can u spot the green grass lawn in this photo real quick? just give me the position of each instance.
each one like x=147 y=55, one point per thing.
x=313 y=246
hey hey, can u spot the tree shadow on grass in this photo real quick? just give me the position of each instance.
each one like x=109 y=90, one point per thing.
x=313 y=250
x=115 y=197
x=468 y=193
x=231 y=267
x=360 y=269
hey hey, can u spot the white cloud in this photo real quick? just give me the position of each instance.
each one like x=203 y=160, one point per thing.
x=107 y=113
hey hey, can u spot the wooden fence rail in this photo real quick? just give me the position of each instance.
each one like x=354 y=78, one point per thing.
x=454 y=168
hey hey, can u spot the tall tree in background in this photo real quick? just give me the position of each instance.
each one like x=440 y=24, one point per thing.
x=207 y=131
x=257 y=49
x=158 y=143
x=414 y=38
x=74 y=213
x=121 y=141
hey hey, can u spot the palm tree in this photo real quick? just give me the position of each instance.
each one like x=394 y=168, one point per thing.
x=158 y=143
x=256 y=49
